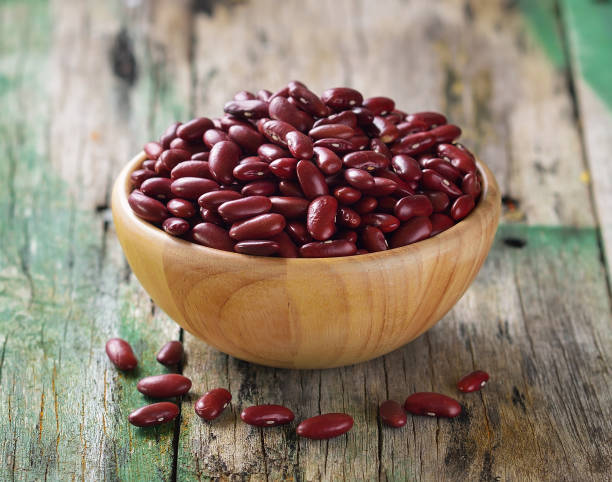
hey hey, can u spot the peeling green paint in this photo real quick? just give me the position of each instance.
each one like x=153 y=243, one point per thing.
x=543 y=23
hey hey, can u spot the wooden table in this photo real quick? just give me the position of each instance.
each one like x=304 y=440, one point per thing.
x=83 y=84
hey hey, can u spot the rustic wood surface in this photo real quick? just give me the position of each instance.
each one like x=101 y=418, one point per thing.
x=83 y=84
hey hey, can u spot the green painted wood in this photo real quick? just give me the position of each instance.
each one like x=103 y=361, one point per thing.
x=589 y=39
x=64 y=285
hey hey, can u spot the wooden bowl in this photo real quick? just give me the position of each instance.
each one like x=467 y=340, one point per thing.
x=306 y=313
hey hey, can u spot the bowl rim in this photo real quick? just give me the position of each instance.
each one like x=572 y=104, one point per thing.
x=490 y=198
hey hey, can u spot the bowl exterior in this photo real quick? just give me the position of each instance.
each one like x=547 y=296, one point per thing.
x=307 y=313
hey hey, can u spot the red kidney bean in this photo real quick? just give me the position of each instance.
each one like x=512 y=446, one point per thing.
x=224 y=157
x=244 y=95
x=432 y=404
x=349 y=235
x=359 y=142
x=300 y=145
x=259 y=188
x=154 y=414
x=249 y=159
x=366 y=205
x=406 y=167
x=341 y=98
x=335 y=144
x=434 y=181
x=373 y=239
x=379 y=105
x=312 y=181
x=161 y=169
x=439 y=200
x=392 y=414
x=250 y=171
x=321 y=217
x=175 y=226
x=194 y=129
x=157 y=187
x=281 y=109
x=169 y=135
x=347 y=118
x=411 y=231
x=339 y=131
x=249 y=109
x=473 y=381
x=359 y=178
x=263 y=226
x=228 y=121
x=378 y=146
x=298 y=232
x=284 y=168
x=387 y=131
x=387 y=204
x=246 y=207
x=212 y=236
x=140 y=175
x=200 y=156
x=325 y=426
x=271 y=152
x=164 y=386
x=121 y=354
x=191 y=169
x=462 y=206
x=347 y=195
x=191 y=147
x=276 y=131
x=471 y=185
x=348 y=218
x=443 y=167
x=447 y=133
x=146 y=207
x=210 y=405
x=171 y=353
x=328 y=249
x=247 y=138
x=264 y=95
x=290 y=207
x=432 y=119
x=192 y=187
x=411 y=206
x=153 y=150
x=214 y=136
x=209 y=216
x=148 y=165
x=439 y=223
x=414 y=143
x=171 y=157
x=459 y=158
x=212 y=200
x=217 y=123
x=308 y=100
x=382 y=187
x=367 y=160
x=364 y=116
x=327 y=160
x=385 y=222
x=267 y=415
x=286 y=247
x=257 y=247
x=411 y=127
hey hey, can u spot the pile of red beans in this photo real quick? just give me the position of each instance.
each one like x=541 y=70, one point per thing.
x=292 y=174
x=212 y=403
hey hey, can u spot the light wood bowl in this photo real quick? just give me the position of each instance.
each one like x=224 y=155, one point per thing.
x=306 y=313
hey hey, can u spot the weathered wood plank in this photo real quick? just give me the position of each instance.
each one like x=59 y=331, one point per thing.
x=589 y=38
x=78 y=95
